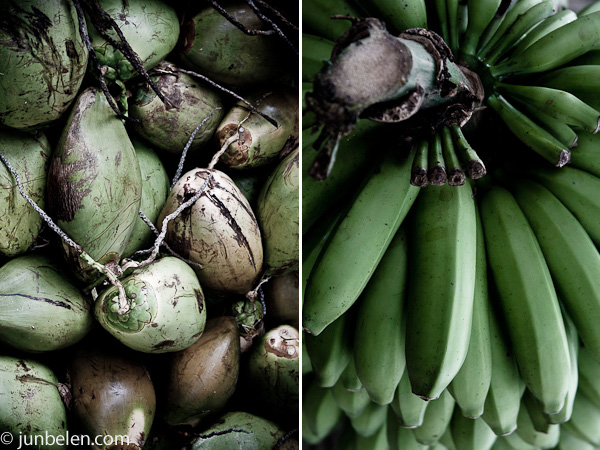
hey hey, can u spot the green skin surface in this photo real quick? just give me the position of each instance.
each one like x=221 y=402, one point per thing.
x=31 y=403
x=204 y=376
x=43 y=61
x=259 y=141
x=219 y=50
x=19 y=223
x=278 y=214
x=41 y=309
x=151 y=28
x=167 y=312
x=219 y=231
x=155 y=189
x=112 y=396
x=170 y=127
x=274 y=369
x=94 y=183
x=259 y=433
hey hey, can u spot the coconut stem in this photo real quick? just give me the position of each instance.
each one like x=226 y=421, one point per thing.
x=236 y=23
x=188 y=145
x=70 y=242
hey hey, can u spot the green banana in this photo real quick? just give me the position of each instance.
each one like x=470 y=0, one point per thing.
x=316 y=52
x=370 y=420
x=436 y=166
x=582 y=81
x=554 y=49
x=565 y=413
x=454 y=172
x=306 y=364
x=589 y=376
x=557 y=103
x=462 y=22
x=320 y=413
x=517 y=11
x=437 y=418
x=400 y=438
x=501 y=444
x=340 y=277
x=535 y=413
x=527 y=431
x=545 y=27
x=506 y=388
x=354 y=160
x=442 y=253
x=317 y=17
x=590 y=58
x=349 y=377
x=380 y=324
x=409 y=408
x=572 y=258
x=578 y=191
x=469 y=434
x=522 y=25
x=471 y=384
x=446 y=440
x=585 y=421
x=353 y=403
x=517 y=443
x=452 y=12
x=439 y=6
x=481 y=13
x=331 y=351
x=398 y=16
x=377 y=441
x=570 y=442
x=528 y=299
x=557 y=128
x=592 y=8
x=531 y=134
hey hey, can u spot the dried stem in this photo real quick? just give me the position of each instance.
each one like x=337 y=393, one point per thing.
x=236 y=23
x=278 y=31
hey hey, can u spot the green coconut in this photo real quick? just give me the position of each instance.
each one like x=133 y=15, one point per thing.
x=260 y=142
x=169 y=126
x=31 y=406
x=281 y=297
x=278 y=215
x=20 y=224
x=165 y=308
x=42 y=60
x=113 y=398
x=255 y=433
x=155 y=189
x=94 y=183
x=219 y=231
x=204 y=376
x=151 y=27
x=219 y=50
x=274 y=370
x=40 y=308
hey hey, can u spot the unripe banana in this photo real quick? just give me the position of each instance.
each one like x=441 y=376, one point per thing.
x=521 y=25
x=528 y=299
x=353 y=403
x=582 y=81
x=400 y=438
x=472 y=383
x=570 y=442
x=506 y=388
x=446 y=440
x=377 y=441
x=535 y=413
x=331 y=351
x=316 y=16
x=527 y=432
x=349 y=377
x=398 y=16
x=481 y=13
x=592 y=8
x=471 y=434
x=335 y=286
x=531 y=134
x=557 y=103
x=585 y=421
x=543 y=28
x=589 y=376
x=370 y=420
x=409 y=408
x=554 y=49
x=442 y=270
x=572 y=258
x=320 y=414
x=380 y=325
x=437 y=418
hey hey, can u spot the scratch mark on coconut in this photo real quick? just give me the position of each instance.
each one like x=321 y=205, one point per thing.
x=237 y=230
x=40 y=299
